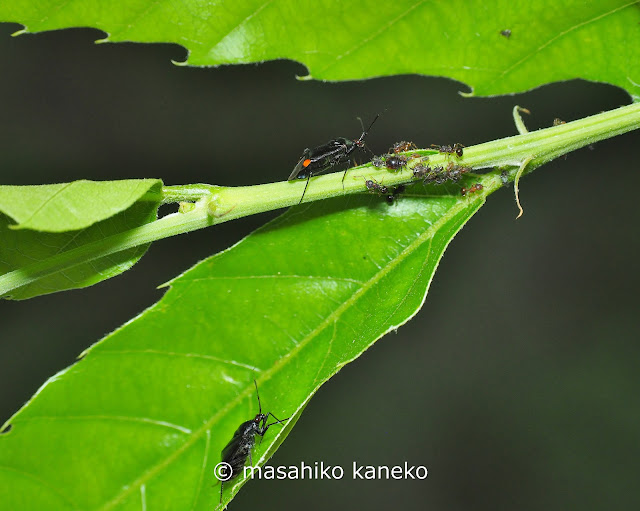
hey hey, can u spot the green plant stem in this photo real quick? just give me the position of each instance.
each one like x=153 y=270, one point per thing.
x=217 y=204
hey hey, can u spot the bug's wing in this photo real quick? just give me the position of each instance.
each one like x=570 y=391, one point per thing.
x=296 y=170
x=299 y=166
x=231 y=447
x=236 y=453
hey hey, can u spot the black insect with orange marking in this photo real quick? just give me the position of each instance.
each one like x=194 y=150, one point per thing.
x=322 y=158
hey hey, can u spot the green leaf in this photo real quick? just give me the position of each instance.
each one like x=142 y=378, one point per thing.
x=46 y=206
x=596 y=41
x=70 y=206
x=141 y=420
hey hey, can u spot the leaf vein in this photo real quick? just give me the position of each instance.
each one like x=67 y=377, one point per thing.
x=196 y=497
x=374 y=35
x=123 y=418
x=47 y=201
x=177 y=354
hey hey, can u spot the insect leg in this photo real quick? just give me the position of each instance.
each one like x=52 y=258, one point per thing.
x=305 y=188
x=264 y=428
x=278 y=421
x=344 y=175
x=315 y=172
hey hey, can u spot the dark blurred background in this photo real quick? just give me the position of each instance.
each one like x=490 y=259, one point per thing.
x=516 y=385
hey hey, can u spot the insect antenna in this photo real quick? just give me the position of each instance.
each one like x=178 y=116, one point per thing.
x=256 y=384
x=365 y=133
x=360 y=143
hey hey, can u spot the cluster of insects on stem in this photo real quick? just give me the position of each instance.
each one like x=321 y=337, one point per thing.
x=339 y=150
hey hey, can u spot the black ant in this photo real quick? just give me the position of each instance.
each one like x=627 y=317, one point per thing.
x=395 y=193
x=392 y=162
x=373 y=186
x=450 y=149
x=390 y=195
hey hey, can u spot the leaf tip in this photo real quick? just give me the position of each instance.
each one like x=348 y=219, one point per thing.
x=24 y=30
x=16 y=227
x=304 y=78
x=184 y=63
x=105 y=39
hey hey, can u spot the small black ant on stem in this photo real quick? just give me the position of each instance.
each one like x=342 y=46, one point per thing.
x=450 y=149
x=392 y=162
x=390 y=194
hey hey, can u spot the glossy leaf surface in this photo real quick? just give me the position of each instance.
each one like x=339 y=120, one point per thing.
x=70 y=206
x=142 y=418
x=496 y=47
x=106 y=209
